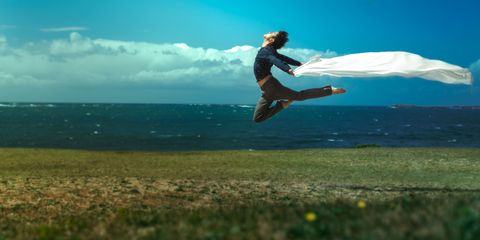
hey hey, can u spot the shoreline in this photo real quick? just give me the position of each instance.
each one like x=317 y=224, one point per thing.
x=113 y=150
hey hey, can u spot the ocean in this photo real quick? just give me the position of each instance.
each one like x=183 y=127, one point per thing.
x=185 y=127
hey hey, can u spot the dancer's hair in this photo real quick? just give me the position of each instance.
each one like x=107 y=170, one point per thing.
x=280 y=39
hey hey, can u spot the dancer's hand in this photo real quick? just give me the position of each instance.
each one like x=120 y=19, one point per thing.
x=290 y=72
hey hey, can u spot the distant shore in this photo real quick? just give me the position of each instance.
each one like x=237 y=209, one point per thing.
x=435 y=106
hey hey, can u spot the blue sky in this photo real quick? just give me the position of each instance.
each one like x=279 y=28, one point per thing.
x=127 y=51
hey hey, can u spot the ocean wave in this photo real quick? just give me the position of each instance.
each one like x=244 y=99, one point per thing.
x=245 y=106
x=8 y=105
x=334 y=140
x=31 y=105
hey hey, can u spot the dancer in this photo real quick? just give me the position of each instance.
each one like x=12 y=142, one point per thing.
x=271 y=88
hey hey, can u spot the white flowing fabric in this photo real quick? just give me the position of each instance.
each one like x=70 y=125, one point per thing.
x=382 y=64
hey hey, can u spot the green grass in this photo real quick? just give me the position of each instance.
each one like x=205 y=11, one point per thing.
x=423 y=193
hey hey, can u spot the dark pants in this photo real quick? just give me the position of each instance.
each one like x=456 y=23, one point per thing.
x=273 y=90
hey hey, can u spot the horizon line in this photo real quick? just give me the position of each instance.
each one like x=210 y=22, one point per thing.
x=252 y=104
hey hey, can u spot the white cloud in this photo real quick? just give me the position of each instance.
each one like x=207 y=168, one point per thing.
x=83 y=62
x=3 y=42
x=64 y=29
x=475 y=69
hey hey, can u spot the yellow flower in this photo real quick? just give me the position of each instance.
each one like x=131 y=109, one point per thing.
x=310 y=216
x=361 y=204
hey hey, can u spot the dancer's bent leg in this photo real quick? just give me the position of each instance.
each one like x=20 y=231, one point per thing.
x=263 y=111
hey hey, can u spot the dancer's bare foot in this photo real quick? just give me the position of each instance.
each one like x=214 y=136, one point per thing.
x=338 y=90
x=285 y=104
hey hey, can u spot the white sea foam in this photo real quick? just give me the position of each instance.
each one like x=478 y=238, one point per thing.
x=8 y=105
x=29 y=105
x=245 y=106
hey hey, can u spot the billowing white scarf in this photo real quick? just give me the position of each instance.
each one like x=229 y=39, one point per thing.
x=383 y=64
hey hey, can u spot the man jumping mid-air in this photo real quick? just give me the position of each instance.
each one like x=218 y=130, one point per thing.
x=271 y=88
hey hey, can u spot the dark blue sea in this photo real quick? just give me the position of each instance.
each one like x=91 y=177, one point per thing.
x=178 y=127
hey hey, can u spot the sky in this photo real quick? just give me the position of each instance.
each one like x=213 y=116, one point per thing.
x=121 y=51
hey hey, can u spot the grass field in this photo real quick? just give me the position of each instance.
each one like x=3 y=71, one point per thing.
x=368 y=193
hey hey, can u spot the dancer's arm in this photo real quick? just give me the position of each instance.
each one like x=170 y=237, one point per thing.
x=288 y=60
x=279 y=63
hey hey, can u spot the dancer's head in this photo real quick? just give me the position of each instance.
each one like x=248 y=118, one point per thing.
x=276 y=39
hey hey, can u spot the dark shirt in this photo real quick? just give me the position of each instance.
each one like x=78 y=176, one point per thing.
x=266 y=58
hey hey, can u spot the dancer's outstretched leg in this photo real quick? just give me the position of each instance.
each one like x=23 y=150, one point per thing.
x=283 y=92
x=334 y=91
